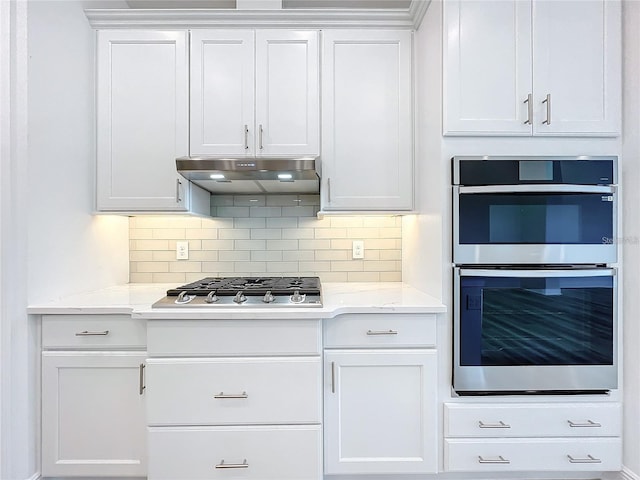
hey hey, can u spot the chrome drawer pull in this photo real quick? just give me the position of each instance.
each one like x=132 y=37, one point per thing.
x=92 y=334
x=142 y=385
x=244 y=464
x=500 y=424
x=588 y=423
x=231 y=395
x=382 y=332
x=500 y=460
x=589 y=459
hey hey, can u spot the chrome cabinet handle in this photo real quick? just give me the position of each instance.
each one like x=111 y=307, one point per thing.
x=246 y=137
x=142 y=385
x=589 y=459
x=587 y=424
x=500 y=424
x=500 y=459
x=231 y=395
x=529 y=102
x=333 y=377
x=244 y=464
x=329 y=189
x=548 y=102
x=260 y=137
x=178 y=183
x=382 y=332
x=86 y=333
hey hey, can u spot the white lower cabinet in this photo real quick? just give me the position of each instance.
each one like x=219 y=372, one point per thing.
x=253 y=415
x=380 y=413
x=93 y=403
x=271 y=452
x=533 y=437
x=518 y=454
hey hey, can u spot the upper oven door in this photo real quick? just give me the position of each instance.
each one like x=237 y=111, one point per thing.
x=534 y=224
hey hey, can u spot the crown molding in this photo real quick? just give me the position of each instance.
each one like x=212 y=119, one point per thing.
x=227 y=18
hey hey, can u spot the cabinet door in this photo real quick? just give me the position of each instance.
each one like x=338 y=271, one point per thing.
x=142 y=123
x=380 y=411
x=367 y=120
x=576 y=54
x=93 y=418
x=487 y=67
x=287 y=93
x=222 y=92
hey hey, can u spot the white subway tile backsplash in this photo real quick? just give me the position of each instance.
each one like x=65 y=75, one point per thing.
x=234 y=255
x=235 y=234
x=260 y=235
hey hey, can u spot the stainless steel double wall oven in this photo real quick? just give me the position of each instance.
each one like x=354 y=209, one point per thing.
x=534 y=290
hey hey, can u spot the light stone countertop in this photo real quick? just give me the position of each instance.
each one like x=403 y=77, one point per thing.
x=338 y=298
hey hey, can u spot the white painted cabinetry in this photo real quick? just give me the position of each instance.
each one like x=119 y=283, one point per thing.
x=380 y=414
x=143 y=123
x=536 y=67
x=252 y=406
x=533 y=437
x=93 y=403
x=367 y=120
x=254 y=93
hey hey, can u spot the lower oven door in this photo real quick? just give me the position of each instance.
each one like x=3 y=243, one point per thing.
x=535 y=330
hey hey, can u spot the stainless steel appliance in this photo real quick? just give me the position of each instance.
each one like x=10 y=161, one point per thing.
x=252 y=175
x=534 y=210
x=245 y=292
x=535 y=296
x=535 y=330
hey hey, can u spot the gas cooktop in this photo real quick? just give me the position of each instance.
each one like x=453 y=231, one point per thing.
x=237 y=292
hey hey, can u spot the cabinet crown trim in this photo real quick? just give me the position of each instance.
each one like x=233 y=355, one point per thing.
x=299 y=19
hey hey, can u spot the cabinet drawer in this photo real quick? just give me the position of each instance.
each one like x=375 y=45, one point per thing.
x=533 y=420
x=380 y=330
x=494 y=455
x=93 y=331
x=234 y=391
x=189 y=338
x=283 y=453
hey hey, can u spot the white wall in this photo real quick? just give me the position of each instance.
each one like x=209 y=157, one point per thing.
x=69 y=249
x=630 y=176
x=51 y=244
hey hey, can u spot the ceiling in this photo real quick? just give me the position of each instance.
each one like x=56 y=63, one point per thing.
x=287 y=4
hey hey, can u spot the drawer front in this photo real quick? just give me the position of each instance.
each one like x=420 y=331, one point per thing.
x=269 y=453
x=184 y=338
x=533 y=420
x=380 y=330
x=234 y=391
x=493 y=455
x=93 y=331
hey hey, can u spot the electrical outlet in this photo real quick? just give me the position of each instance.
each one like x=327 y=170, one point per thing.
x=182 y=250
x=358 y=249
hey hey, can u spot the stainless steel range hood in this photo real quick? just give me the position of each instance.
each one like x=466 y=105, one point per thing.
x=252 y=175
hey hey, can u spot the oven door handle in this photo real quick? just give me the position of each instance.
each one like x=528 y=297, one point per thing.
x=567 y=272
x=536 y=189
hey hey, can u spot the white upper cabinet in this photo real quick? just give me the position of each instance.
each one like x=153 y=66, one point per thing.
x=254 y=93
x=367 y=120
x=143 y=122
x=537 y=67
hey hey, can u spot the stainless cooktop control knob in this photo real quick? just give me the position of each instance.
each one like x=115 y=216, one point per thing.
x=240 y=298
x=268 y=297
x=297 y=297
x=184 y=297
x=212 y=297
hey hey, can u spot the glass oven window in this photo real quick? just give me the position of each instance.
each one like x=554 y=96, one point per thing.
x=536 y=321
x=535 y=218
